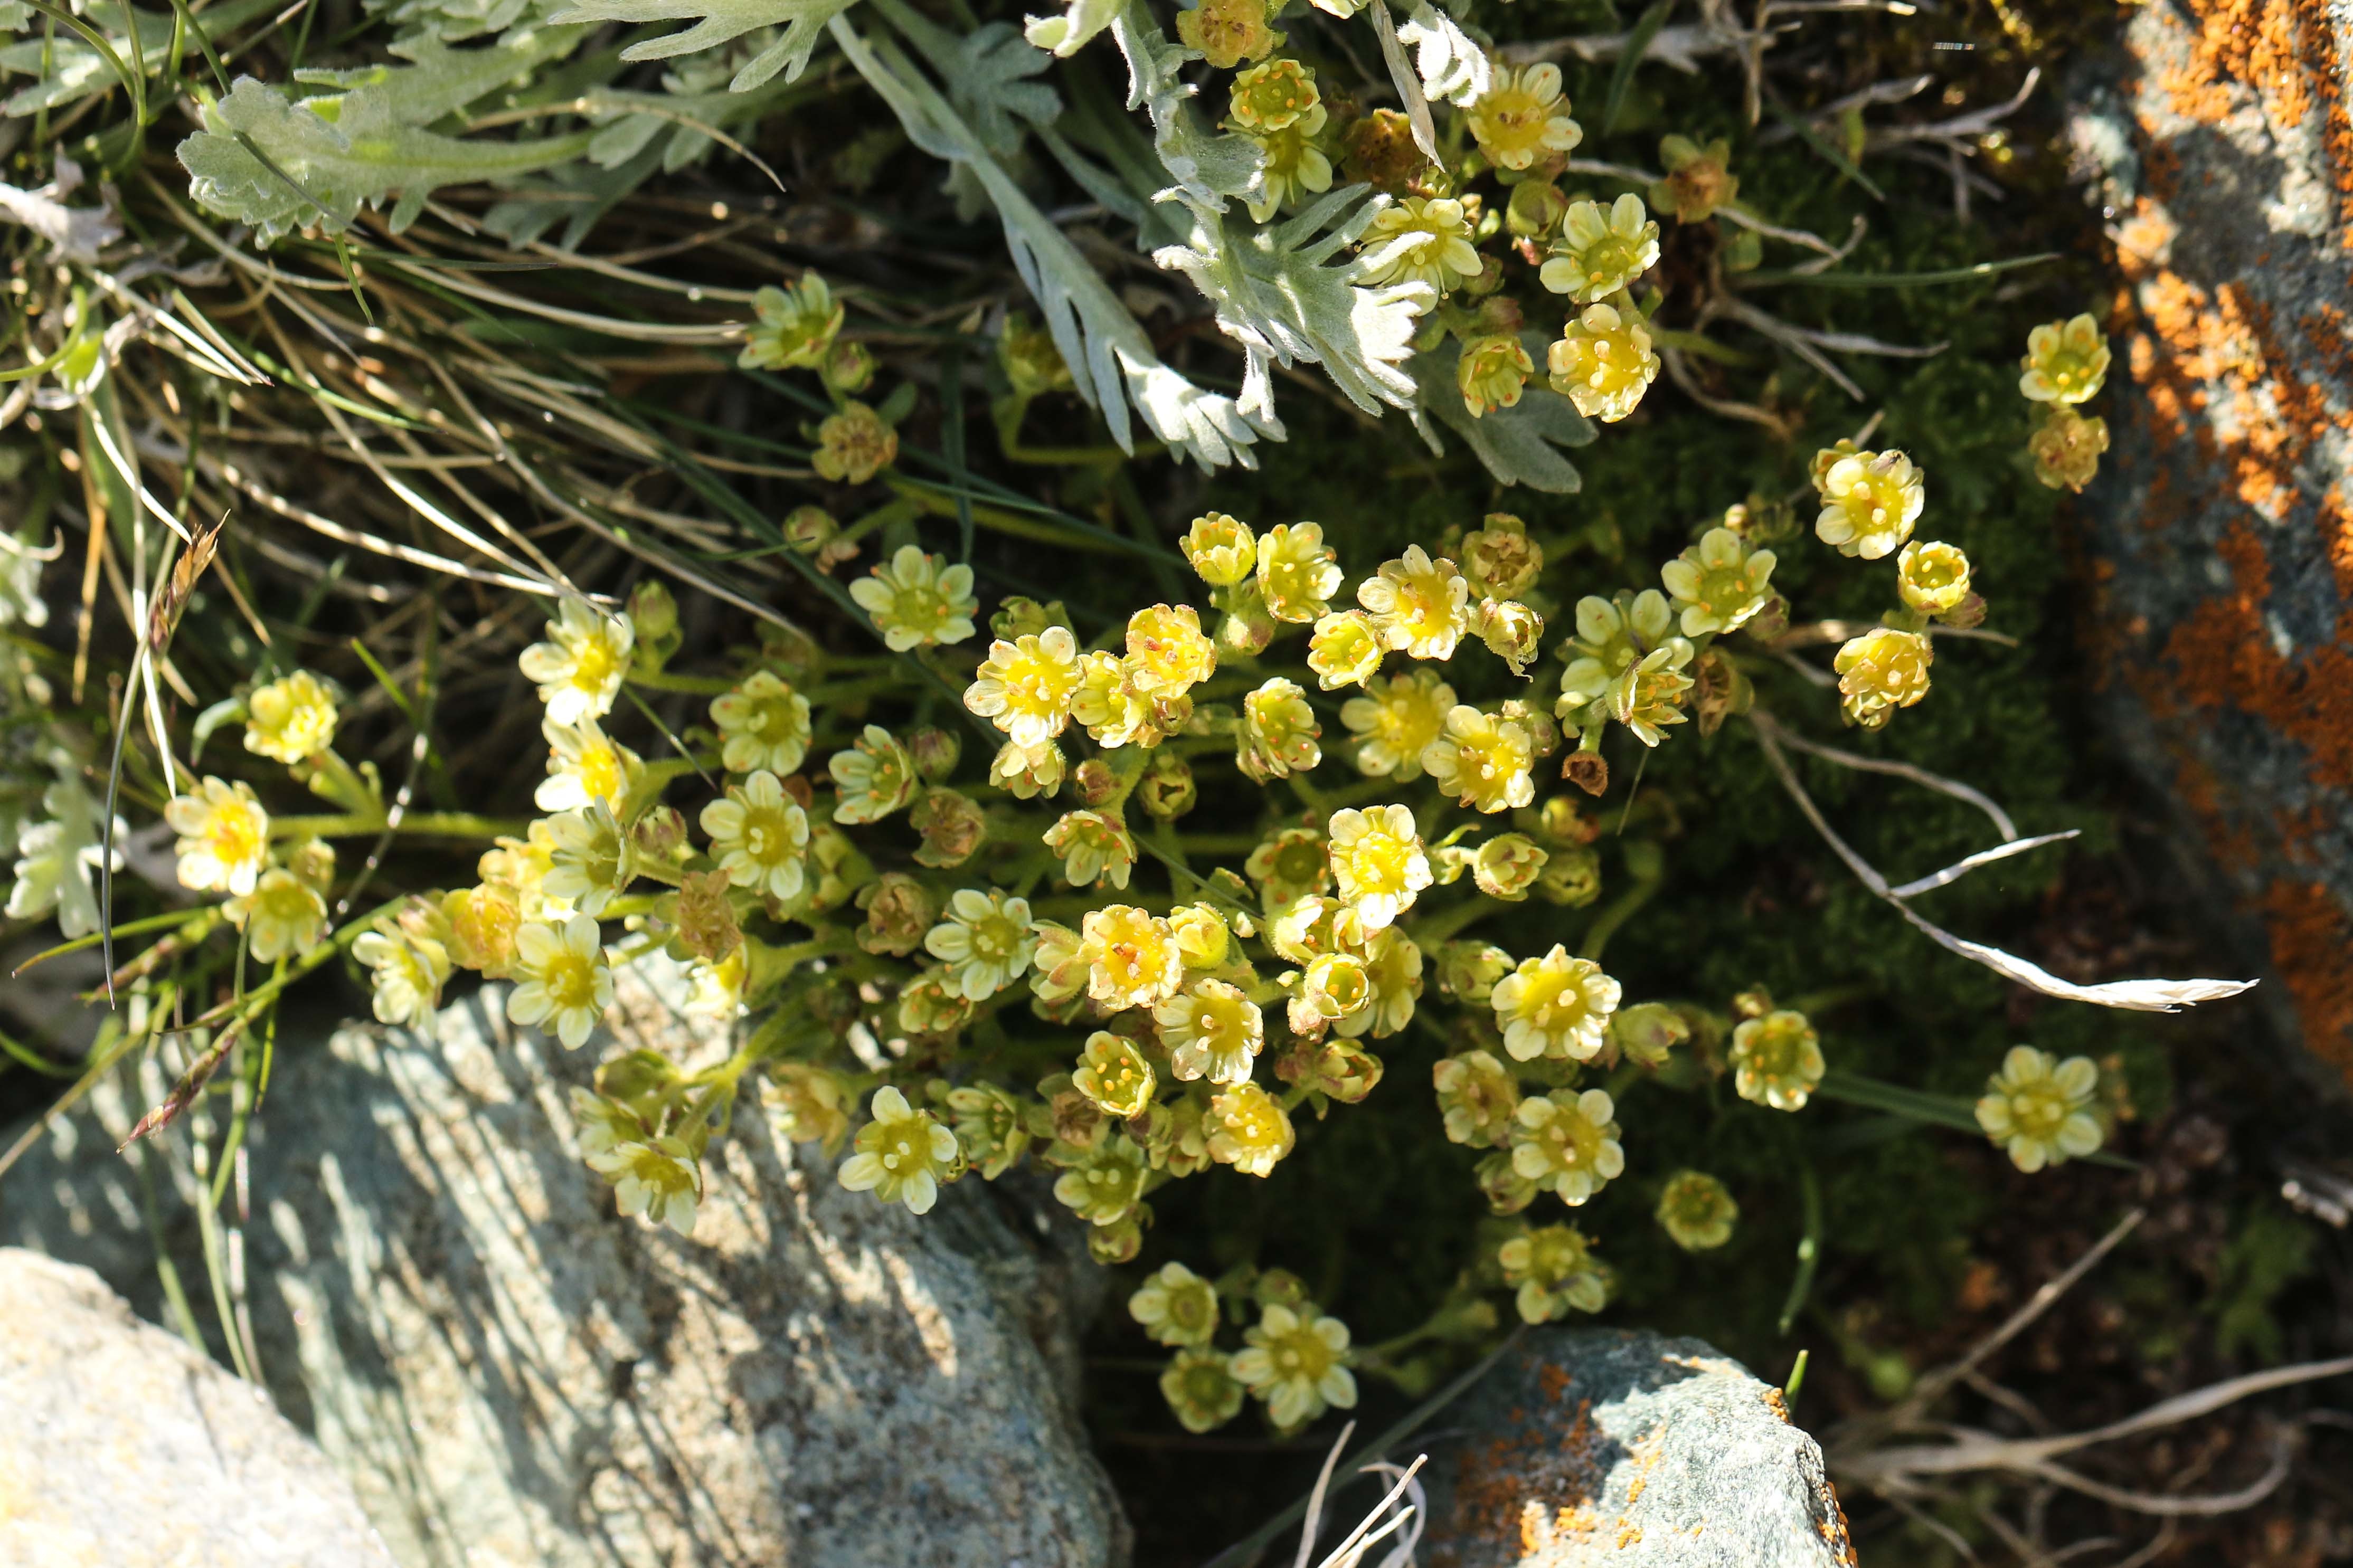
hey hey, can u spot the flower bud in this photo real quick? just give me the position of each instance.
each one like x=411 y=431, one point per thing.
x=936 y=752
x=1572 y=878
x=1513 y=632
x=660 y=835
x=1248 y=626
x=849 y=369
x=1166 y=791
x=1536 y=209
x=1279 y=1288
x=1118 y=1242
x=1093 y=782
x=1648 y=1031
x=1753 y=1003
x=1468 y=971
x=482 y=924
x=1719 y=691
x=1507 y=1192
x=952 y=826
x=1340 y=1069
x=1222 y=549
x=1508 y=866
x=809 y=529
x=1027 y=773
x=1500 y=560
x=898 y=912
x=1201 y=936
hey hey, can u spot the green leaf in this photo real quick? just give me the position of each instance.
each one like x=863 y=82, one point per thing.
x=1207 y=166
x=76 y=71
x=717 y=22
x=1829 y=154
x=1638 y=43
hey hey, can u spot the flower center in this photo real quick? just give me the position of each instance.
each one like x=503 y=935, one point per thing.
x=767 y=835
x=571 y=980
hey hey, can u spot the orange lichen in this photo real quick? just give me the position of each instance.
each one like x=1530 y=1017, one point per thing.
x=2311 y=939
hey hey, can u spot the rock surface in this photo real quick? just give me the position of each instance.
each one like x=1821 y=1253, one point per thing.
x=2222 y=157
x=123 y=1448
x=511 y=1374
x=1593 y=1445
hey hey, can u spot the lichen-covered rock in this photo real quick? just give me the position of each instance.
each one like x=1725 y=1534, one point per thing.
x=120 y=1446
x=511 y=1374
x=1593 y=1445
x=2222 y=528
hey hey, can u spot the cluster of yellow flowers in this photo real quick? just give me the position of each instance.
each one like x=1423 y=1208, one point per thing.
x=2066 y=364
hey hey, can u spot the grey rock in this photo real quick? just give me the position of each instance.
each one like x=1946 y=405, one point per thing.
x=2220 y=157
x=1591 y=1445
x=511 y=1373
x=123 y=1447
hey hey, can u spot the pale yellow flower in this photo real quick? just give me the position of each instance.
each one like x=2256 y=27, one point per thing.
x=1297 y=162
x=1273 y=96
x=1345 y=649
x=291 y=720
x=2066 y=362
x=580 y=666
x=1297 y=1361
x=759 y=835
x=1106 y=1185
x=1396 y=719
x=1133 y=959
x=1777 y=1060
x=1212 y=1031
x=1492 y=371
x=282 y=917
x=1695 y=1211
x=1601 y=251
x=1522 y=116
x=762 y=723
x=917 y=600
x=1107 y=702
x=1201 y=1389
x=1248 y=1130
x=2038 y=1109
x=1556 y=1006
x=1377 y=861
x=1568 y=1143
x=1166 y=654
x=1720 y=582
x=1176 y=1306
x=1485 y=762
x=805 y=1104
x=1476 y=1096
x=1277 y=735
x=986 y=941
x=1223 y=550
x=1552 y=1269
x=1421 y=606
x=1028 y=772
x=653 y=1176
x=902 y=1157
x=1113 y=1074
x=1094 y=848
x=583 y=765
x=591 y=861
x=1932 y=578
x=1420 y=239
x=1202 y=935
x=1392 y=987
x=224 y=836
x=875 y=778
x=1290 y=865
x=1024 y=687
x=565 y=981
x=1602 y=361
x=1297 y=572
x=1882 y=670
x=406 y=977
x=1870 y=502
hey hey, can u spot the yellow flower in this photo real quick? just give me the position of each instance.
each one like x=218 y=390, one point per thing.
x=1552 y=1268
x=1870 y=502
x=1379 y=861
x=654 y=1176
x=1600 y=252
x=1024 y=687
x=1273 y=96
x=578 y=669
x=1166 y=654
x=1500 y=560
x=283 y=916
x=1421 y=606
x=1112 y=1072
x=1212 y=1031
x=1568 y=1143
x=986 y=941
x=1522 y=116
x=583 y=765
x=1248 y=1130
x=1396 y=719
x=1028 y=772
x=224 y=837
x=1699 y=179
x=1695 y=1211
x=854 y=445
x=1106 y=1185
x=1176 y=1306
x=917 y=599
x=1222 y=549
x=1882 y=670
x=1297 y=572
x=2066 y=362
x=1476 y=1095
x=1556 y=1006
x=1277 y=735
x=1420 y=239
x=406 y=977
x=1345 y=650
x=590 y=860
x=759 y=837
x=1131 y=957
x=1298 y=1363
x=875 y=779
x=1482 y=760
x=482 y=925
x=1094 y=848
x=1290 y=865
x=805 y=1104
x=564 y=980
x=1228 y=32
x=2066 y=447
x=2039 y=1109
x=1392 y=966
x=1107 y=702
x=903 y=1154
x=1295 y=162
x=1506 y=867
x=1777 y=1060
x=988 y=1127
x=1492 y=371
x=1201 y=1389
x=762 y=723
x=1932 y=578
x=796 y=327
x=291 y=720
x=1603 y=362
x=1202 y=935
x=1720 y=582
